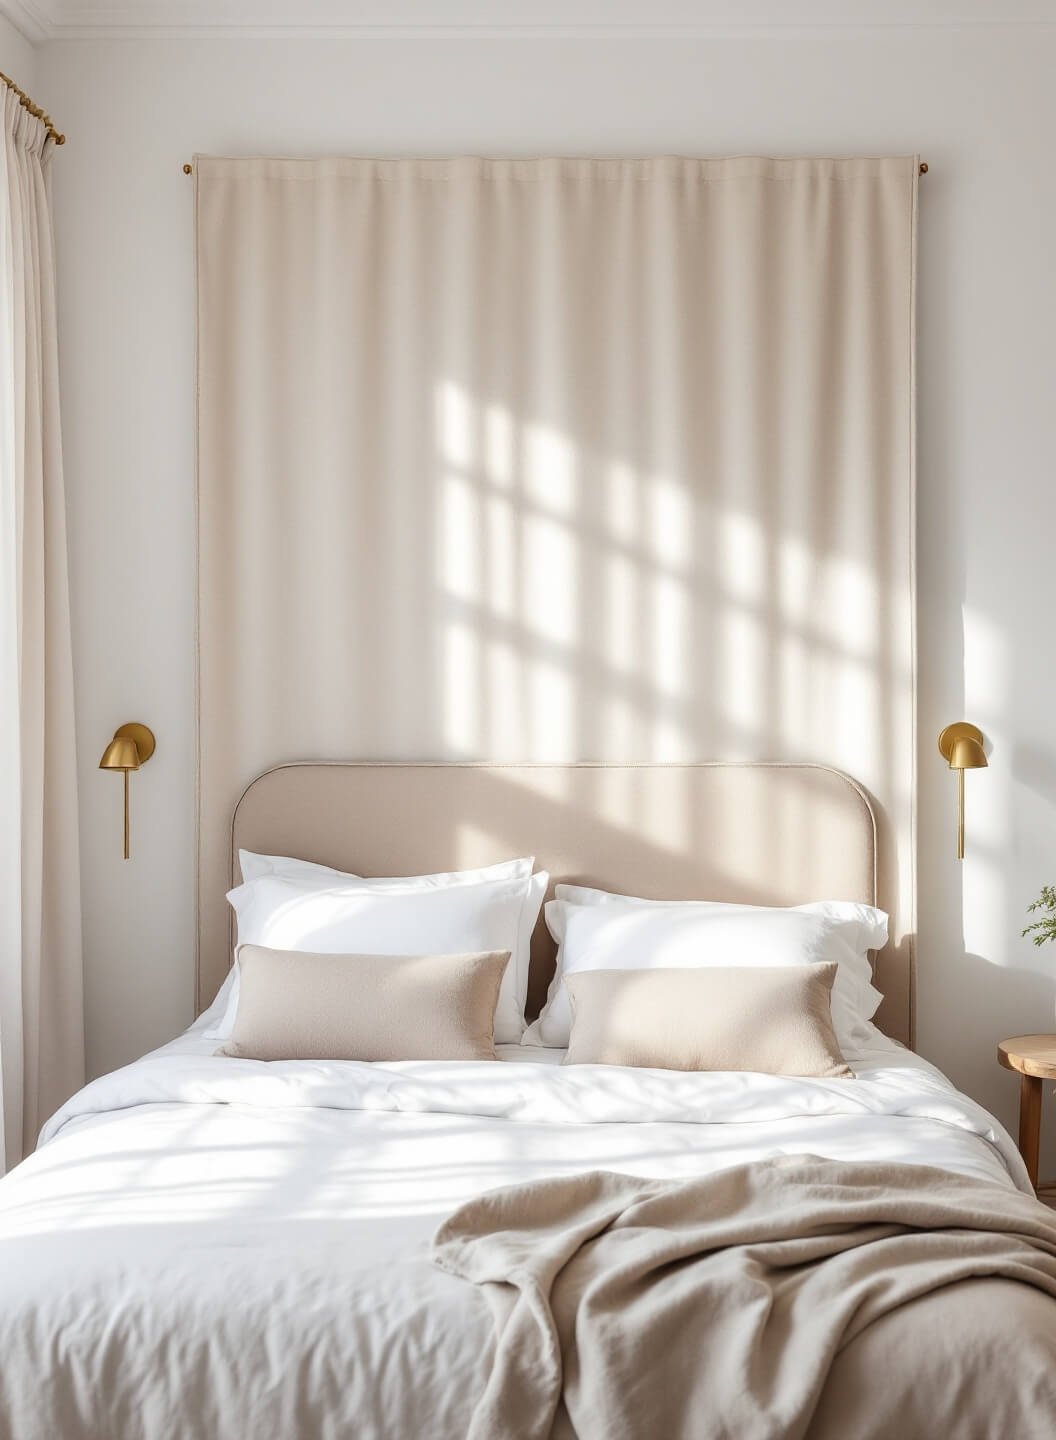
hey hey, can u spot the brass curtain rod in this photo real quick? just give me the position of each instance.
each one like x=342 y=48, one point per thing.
x=188 y=168
x=34 y=110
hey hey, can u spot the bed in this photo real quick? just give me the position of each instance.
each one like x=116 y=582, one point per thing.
x=202 y=1247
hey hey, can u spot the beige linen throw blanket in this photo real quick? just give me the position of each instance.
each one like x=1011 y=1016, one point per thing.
x=717 y=1307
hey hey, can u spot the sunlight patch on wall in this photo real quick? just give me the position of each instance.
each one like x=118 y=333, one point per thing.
x=506 y=716
x=454 y=425
x=984 y=905
x=622 y=509
x=551 y=580
x=986 y=669
x=670 y=524
x=549 y=469
x=852 y=613
x=461 y=551
x=498 y=445
x=671 y=622
x=742 y=697
x=502 y=552
x=741 y=548
x=462 y=689
x=623 y=726
x=621 y=631
x=553 y=708
x=795 y=565
x=990 y=833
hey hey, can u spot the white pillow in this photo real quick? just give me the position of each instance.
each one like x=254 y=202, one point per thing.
x=596 y=930
x=293 y=905
x=308 y=872
x=862 y=926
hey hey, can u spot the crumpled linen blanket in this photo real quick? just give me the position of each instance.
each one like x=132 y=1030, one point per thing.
x=628 y=1308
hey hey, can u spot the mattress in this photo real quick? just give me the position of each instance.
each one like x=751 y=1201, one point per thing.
x=213 y=1247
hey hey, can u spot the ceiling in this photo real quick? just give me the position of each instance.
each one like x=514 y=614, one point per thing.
x=44 y=20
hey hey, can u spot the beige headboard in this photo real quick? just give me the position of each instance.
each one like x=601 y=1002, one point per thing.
x=756 y=833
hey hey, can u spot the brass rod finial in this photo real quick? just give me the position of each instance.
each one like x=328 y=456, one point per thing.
x=923 y=167
x=187 y=168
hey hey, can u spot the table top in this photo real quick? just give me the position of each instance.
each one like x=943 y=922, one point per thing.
x=1030 y=1055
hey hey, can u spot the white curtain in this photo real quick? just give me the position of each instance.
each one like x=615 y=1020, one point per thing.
x=41 y=1010
x=557 y=460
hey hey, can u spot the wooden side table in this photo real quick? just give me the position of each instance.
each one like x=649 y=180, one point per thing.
x=1033 y=1057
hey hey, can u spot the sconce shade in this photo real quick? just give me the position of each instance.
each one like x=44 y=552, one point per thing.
x=121 y=754
x=131 y=747
x=967 y=754
x=961 y=746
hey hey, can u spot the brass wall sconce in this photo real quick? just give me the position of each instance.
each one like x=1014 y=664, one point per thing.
x=961 y=746
x=131 y=747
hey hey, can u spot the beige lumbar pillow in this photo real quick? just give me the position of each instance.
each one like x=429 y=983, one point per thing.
x=774 y=1019
x=294 y=1005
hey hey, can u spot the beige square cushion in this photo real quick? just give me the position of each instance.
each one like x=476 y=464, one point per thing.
x=295 y=1005
x=774 y=1019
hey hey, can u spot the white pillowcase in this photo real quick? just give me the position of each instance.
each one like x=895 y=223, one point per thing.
x=597 y=930
x=296 y=905
x=308 y=872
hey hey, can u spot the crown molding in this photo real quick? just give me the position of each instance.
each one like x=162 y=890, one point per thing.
x=28 y=19
x=43 y=20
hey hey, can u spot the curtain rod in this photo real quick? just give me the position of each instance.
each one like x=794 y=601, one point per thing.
x=188 y=168
x=34 y=110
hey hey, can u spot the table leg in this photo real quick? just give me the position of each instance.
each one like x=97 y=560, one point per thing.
x=1030 y=1124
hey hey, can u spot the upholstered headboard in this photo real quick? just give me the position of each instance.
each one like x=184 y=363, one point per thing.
x=756 y=833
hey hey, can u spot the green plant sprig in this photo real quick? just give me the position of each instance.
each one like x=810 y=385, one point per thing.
x=1043 y=930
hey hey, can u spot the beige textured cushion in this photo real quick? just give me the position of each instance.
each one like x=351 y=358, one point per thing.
x=774 y=1019
x=302 y=1006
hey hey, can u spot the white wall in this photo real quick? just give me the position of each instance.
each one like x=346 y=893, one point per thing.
x=17 y=56
x=979 y=105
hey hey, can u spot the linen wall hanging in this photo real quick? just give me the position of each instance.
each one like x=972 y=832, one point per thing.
x=555 y=460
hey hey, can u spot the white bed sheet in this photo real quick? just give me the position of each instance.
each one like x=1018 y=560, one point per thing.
x=213 y=1247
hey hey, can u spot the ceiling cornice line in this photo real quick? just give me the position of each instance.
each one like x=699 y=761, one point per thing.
x=43 y=20
x=27 y=20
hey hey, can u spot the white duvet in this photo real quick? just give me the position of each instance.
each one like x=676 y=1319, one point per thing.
x=213 y=1247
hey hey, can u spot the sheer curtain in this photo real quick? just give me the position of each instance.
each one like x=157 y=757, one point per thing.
x=41 y=1010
